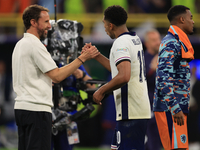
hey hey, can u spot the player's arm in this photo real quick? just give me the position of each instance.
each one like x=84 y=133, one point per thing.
x=100 y=58
x=91 y=86
x=59 y=74
x=165 y=75
x=103 y=61
x=83 y=75
x=123 y=76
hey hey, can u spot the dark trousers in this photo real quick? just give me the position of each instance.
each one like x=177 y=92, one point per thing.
x=153 y=142
x=60 y=141
x=34 y=130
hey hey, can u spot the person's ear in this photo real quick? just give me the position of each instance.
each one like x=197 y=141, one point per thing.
x=181 y=19
x=33 y=22
x=111 y=26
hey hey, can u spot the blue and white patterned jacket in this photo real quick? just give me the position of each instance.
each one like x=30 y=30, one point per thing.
x=172 y=91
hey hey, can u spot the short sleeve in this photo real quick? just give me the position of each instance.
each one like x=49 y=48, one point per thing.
x=43 y=59
x=120 y=52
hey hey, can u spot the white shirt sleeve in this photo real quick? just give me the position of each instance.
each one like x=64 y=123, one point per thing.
x=43 y=59
x=121 y=52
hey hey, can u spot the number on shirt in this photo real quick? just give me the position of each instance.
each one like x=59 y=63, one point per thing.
x=142 y=65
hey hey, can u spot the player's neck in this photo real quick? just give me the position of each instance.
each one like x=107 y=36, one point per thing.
x=119 y=30
x=34 y=32
x=179 y=25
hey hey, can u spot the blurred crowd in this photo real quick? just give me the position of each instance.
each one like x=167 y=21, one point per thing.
x=97 y=6
x=107 y=116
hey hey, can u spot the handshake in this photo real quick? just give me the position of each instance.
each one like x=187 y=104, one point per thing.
x=88 y=52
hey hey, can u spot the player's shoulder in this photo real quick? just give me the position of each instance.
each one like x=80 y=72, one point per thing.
x=24 y=43
x=169 y=42
x=127 y=38
x=169 y=39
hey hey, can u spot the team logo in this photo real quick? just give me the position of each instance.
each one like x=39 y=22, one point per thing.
x=183 y=138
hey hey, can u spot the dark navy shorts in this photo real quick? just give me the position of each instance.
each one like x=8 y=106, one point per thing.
x=129 y=134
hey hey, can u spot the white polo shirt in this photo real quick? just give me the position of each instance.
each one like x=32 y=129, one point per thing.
x=131 y=101
x=30 y=62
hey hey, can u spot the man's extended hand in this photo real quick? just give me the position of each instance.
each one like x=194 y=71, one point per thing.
x=179 y=118
x=89 y=53
x=87 y=47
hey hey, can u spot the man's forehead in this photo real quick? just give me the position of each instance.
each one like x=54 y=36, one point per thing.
x=188 y=12
x=44 y=14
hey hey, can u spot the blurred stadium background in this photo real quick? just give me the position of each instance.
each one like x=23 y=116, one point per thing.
x=96 y=132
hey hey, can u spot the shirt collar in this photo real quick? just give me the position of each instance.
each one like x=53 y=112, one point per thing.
x=31 y=35
x=129 y=33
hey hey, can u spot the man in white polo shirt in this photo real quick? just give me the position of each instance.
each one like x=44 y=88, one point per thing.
x=126 y=63
x=33 y=73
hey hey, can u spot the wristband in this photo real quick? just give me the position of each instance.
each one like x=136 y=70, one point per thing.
x=81 y=60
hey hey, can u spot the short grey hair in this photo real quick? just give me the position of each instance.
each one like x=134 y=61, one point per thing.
x=149 y=31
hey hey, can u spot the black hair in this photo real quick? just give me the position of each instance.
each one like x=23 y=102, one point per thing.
x=175 y=11
x=116 y=14
x=32 y=12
